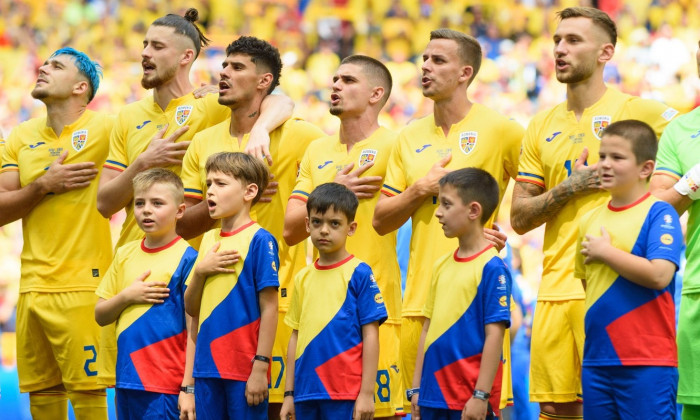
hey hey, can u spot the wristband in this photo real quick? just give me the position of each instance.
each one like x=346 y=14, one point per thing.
x=411 y=392
x=689 y=184
x=481 y=395
x=288 y=393
x=261 y=359
x=187 y=389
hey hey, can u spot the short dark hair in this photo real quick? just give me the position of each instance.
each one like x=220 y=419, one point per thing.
x=242 y=167
x=474 y=184
x=185 y=25
x=262 y=53
x=641 y=136
x=468 y=48
x=376 y=72
x=599 y=18
x=332 y=195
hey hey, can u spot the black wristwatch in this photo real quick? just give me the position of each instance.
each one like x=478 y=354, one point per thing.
x=261 y=358
x=289 y=393
x=189 y=389
x=481 y=395
x=411 y=392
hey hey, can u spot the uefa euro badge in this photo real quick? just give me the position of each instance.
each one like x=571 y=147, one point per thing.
x=367 y=156
x=79 y=139
x=182 y=114
x=467 y=141
x=599 y=123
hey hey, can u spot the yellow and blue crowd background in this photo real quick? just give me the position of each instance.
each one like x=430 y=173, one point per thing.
x=654 y=59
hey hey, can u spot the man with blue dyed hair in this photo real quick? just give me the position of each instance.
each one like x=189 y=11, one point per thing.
x=48 y=179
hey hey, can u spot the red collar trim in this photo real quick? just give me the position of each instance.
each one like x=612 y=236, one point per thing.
x=233 y=232
x=629 y=206
x=160 y=248
x=329 y=267
x=471 y=257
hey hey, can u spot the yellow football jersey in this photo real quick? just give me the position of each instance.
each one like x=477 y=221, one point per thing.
x=483 y=139
x=323 y=159
x=553 y=142
x=138 y=123
x=67 y=245
x=287 y=145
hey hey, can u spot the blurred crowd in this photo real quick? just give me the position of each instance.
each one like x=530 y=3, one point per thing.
x=654 y=59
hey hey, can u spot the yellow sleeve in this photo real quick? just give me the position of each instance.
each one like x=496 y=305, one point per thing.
x=395 y=179
x=530 y=166
x=190 y=170
x=117 y=158
x=294 y=311
x=304 y=184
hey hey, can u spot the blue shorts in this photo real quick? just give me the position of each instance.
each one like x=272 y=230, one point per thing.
x=629 y=392
x=428 y=413
x=218 y=399
x=137 y=404
x=324 y=409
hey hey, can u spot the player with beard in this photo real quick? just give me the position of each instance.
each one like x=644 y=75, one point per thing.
x=557 y=183
x=458 y=134
x=155 y=131
x=357 y=157
x=49 y=166
x=250 y=72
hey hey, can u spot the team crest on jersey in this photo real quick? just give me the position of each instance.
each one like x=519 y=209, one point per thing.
x=182 y=114
x=367 y=156
x=467 y=141
x=599 y=123
x=79 y=139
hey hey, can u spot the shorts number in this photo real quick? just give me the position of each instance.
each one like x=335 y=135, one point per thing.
x=280 y=360
x=383 y=390
x=86 y=366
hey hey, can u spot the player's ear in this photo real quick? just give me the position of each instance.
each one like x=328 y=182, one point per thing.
x=647 y=168
x=265 y=81
x=180 y=211
x=81 y=87
x=352 y=227
x=306 y=222
x=377 y=95
x=474 y=210
x=251 y=190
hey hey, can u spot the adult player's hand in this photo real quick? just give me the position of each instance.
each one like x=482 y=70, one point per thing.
x=429 y=185
x=584 y=179
x=288 y=412
x=185 y=403
x=363 y=187
x=162 y=152
x=270 y=190
x=496 y=237
x=475 y=409
x=60 y=178
x=142 y=291
x=256 y=390
x=364 y=407
x=204 y=90
x=259 y=145
x=595 y=247
x=415 y=409
x=215 y=262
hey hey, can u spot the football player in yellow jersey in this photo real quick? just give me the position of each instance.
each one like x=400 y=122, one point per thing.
x=155 y=131
x=458 y=134
x=357 y=157
x=557 y=183
x=49 y=166
x=251 y=71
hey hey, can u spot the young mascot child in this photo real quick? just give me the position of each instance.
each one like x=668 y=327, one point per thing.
x=629 y=251
x=458 y=368
x=233 y=291
x=143 y=292
x=335 y=314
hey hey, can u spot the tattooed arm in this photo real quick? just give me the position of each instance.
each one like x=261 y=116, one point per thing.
x=533 y=206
